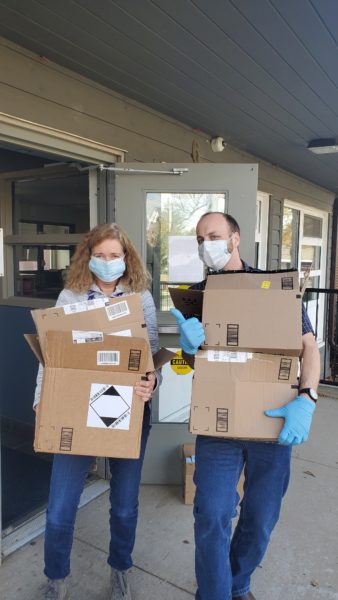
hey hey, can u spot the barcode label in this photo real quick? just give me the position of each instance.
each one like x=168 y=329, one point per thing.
x=116 y=311
x=87 y=337
x=284 y=369
x=222 y=421
x=66 y=439
x=226 y=356
x=287 y=283
x=232 y=334
x=134 y=360
x=77 y=307
x=108 y=357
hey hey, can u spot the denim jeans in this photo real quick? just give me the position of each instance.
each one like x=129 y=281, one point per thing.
x=224 y=566
x=67 y=482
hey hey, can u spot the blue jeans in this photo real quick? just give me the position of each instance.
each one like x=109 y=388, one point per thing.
x=67 y=482
x=224 y=566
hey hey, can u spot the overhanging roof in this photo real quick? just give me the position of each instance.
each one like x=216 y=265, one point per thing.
x=263 y=74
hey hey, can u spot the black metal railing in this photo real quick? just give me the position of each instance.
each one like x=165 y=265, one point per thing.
x=325 y=321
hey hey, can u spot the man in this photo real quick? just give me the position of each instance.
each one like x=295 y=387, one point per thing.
x=224 y=566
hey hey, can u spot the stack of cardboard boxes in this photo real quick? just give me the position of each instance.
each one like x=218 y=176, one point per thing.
x=249 y=361
x=93 y=353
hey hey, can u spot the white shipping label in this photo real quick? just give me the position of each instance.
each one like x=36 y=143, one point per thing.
x=118 y=310
x=86 y=337
x=110 y=406
x=108 y=357
x=226 y=356
x=77 y=307
x=124 y=333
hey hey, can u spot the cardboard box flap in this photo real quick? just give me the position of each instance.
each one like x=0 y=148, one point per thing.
x=263 y=280
x=189 y=302
x=162 y=356
x=99 y=314
x=111 y=353
x=32 y=340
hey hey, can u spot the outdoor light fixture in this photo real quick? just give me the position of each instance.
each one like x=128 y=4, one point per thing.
x=323 y=145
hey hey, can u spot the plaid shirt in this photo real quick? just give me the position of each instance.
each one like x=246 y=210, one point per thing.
x=306 y=323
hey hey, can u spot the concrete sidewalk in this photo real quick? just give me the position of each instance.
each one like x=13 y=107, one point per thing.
x=301 y=562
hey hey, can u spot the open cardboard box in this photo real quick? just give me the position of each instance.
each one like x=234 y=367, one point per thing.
x=87 y=403
x=259 y=312
x=80 y=332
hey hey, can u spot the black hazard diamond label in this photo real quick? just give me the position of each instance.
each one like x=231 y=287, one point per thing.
x=109 y=406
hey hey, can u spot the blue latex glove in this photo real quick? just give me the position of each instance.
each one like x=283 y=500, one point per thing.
x=298 y=416
x=191 y=332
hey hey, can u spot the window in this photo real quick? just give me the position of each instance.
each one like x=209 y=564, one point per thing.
x=172 y=257
x=290 y=242
x=304 y=248
x=48 y=213
x=261 y=233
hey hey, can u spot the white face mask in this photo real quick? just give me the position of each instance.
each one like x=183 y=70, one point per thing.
x=215 y=254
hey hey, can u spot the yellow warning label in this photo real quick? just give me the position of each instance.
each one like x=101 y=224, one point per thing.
x=265 y=285
x=178 y=364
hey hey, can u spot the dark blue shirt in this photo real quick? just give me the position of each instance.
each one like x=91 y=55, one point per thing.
x=306 y=323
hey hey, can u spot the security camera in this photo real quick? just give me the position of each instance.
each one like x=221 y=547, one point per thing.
x=217 y=144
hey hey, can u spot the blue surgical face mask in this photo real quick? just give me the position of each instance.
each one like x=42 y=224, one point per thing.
x=215 y=254
x=107 y=270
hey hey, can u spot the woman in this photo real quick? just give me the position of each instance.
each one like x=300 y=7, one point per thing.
x=105 y=264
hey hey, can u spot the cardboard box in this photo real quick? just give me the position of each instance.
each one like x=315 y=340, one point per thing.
x=87 y=402
x=119 y=316
x=260 y=312
x=231 y=390
x=188 y=469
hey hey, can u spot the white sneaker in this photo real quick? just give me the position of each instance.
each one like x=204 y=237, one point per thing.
x=120 y=588
x=57 y=590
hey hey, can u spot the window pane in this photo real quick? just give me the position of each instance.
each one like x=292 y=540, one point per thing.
x=171 y=242
x=40 y=271
x=312 y=282
x=53 y=205
x=24 y=227
x=312 y=226
x=310 y=257
x=290 y=238
x=57 y=228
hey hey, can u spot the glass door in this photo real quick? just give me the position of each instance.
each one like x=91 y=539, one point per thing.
x=46 y=216
x=160 y=211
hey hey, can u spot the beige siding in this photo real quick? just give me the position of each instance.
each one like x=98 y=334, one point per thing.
x=33 y=88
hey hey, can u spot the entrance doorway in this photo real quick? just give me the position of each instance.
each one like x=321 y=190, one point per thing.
x=47 y=203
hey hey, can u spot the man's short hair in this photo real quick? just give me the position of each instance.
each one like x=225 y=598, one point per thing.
x=234 y=227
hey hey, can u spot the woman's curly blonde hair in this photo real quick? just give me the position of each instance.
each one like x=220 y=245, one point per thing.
x=80 y=278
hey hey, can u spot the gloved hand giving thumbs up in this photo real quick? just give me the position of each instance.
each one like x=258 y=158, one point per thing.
x=191 y=332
